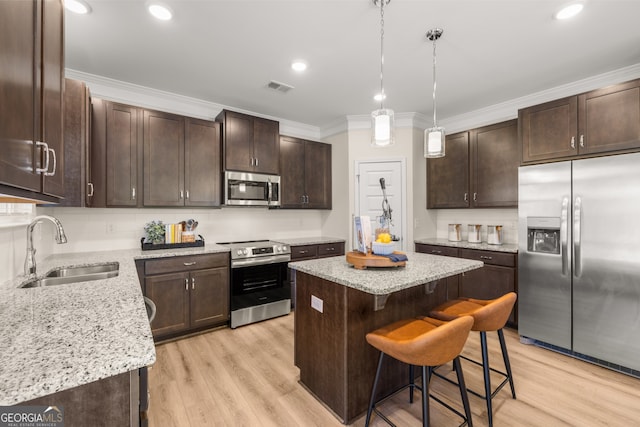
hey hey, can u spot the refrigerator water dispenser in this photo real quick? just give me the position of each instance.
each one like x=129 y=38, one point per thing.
x=543 y=235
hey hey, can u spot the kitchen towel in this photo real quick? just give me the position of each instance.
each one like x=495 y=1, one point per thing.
x=397 y=257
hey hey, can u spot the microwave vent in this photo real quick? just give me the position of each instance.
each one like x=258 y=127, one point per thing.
x=280 y=87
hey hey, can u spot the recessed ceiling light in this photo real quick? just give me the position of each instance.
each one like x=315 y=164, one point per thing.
x=569 y=10
x=160 y=11
x=299 y=65
x=380 y=97
x=77 y=6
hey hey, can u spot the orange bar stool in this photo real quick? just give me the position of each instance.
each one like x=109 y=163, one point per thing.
x=488 y=315
x=426 y=343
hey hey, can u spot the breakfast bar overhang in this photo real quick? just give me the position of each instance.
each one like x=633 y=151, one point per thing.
x=337 y=305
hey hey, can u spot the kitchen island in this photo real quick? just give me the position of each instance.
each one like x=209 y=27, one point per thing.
x=337 y=305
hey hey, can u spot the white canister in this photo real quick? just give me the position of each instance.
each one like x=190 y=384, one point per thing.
x=455 y=234
x=474 y=233
x=494 y=234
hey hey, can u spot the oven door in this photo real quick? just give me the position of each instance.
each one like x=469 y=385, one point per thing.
x=253 y=285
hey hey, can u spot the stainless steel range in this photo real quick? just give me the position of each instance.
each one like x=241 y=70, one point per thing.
x=259 y=286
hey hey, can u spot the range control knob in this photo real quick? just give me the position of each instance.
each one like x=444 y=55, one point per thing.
x=239 y=251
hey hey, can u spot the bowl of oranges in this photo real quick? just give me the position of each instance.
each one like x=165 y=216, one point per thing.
x=383 y=244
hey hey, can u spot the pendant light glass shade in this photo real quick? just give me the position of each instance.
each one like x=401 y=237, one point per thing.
x=382 y=122
x=382 y=125
x=434 y=137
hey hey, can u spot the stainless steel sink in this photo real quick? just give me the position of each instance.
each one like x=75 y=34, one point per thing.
x=65 y=275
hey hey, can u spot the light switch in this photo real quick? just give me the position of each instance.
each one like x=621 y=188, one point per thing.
x=317 y=303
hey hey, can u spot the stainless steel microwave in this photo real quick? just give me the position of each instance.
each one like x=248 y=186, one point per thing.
x=251 y=189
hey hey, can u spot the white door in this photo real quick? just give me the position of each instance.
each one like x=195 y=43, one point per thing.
x=369 y=197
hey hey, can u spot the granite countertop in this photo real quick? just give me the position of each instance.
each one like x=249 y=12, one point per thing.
x=484 y=246
x=300 y=241
x=420 y=269
x=59 y=337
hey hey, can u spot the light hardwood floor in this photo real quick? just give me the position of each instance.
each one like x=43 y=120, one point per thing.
x=246 y=377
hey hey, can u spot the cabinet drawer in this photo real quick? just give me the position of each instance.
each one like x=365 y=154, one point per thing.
x=330 y=249
x=489 y=257
x=436 y=250
x=185 y=263
x=304 y=252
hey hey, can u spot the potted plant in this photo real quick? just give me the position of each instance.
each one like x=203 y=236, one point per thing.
x=155 y=232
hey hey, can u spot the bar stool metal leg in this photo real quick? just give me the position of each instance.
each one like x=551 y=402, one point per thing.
x=463 y=391
x=507 y=365
x=412 y=384
x=373 y=390
x=487 y=376
x=425 y=395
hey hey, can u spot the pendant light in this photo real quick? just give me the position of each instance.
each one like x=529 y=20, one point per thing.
x=434 y=137
x=382 y=119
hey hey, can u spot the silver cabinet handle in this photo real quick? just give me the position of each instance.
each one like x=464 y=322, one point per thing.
x=331 y=249
x=193 y=283
x=577 y=238
x=256 y=161
x=187 y=264
x=435 y=251
x=486 y=257
x=466 y=197
x=45 y=150
x=133 y=193
x=581 y=141
x=186 y=284
x=181 y=194
x=53 y=172
x=475 y=196
x=303 y=252
x=302 y=199
x=573 y=142
x=187 y=194
x=90 y=193
x=564 y=235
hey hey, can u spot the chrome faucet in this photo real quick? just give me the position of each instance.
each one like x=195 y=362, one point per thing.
x=30 y=261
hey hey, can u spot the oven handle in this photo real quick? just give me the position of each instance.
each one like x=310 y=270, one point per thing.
x=274 y=259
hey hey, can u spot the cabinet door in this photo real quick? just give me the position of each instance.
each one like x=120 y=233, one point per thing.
x=436 y=250
x=202 y=163
x=489 y=282
x=609 y=118
x=266 y=143
x=330 y=249
x=494 y=165
x=52 y=73
x=163 y=159
x=238 y=141
x=209 y=297
x=97 y=196
x=548 y=131
x=122 y=155
x=18 y=114
x=448 y=176
x=76 y=99
x=170 y=293
x=317 y=180
x=292 y=170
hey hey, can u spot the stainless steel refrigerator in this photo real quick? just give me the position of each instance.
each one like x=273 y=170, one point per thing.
x=579 y=257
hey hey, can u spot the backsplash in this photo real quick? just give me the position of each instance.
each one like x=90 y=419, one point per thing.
x=508 y=218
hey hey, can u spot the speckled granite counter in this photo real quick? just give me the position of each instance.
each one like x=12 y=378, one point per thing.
x=59 y=337
x=310 y=240
x=420 y=269
x=484 y=246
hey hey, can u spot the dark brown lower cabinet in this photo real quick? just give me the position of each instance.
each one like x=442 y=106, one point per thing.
x=113 y=401
x=190 y=292
x=498 y=276
x=305 y=252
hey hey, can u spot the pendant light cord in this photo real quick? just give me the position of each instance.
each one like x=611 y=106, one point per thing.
x=434 y=83
x=382 y=52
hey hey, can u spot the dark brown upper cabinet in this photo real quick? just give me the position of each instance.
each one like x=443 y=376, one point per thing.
x=250 y=144
x=494 y=165
x=448 y=176
x=31 y=90
x=305 y=169
x=116 y=154
x=600 y=121
x=181 y=161
x=480 y=169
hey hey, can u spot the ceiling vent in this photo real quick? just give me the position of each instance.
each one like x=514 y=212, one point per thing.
x=280 y=87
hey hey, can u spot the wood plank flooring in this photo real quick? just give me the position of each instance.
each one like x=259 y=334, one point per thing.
x=246 y=377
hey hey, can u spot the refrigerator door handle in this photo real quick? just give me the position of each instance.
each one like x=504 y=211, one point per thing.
x=577 y=259
x=564 y=235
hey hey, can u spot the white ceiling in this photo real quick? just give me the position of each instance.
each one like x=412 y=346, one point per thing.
x=226 y=51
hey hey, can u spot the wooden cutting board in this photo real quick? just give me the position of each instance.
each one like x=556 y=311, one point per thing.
x=361 y=261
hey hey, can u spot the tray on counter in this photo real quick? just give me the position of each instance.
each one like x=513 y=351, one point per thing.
x=154 y=246
x=361 y=261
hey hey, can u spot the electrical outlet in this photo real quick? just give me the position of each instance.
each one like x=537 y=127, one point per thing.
x=111 y=228
x=317 y=304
